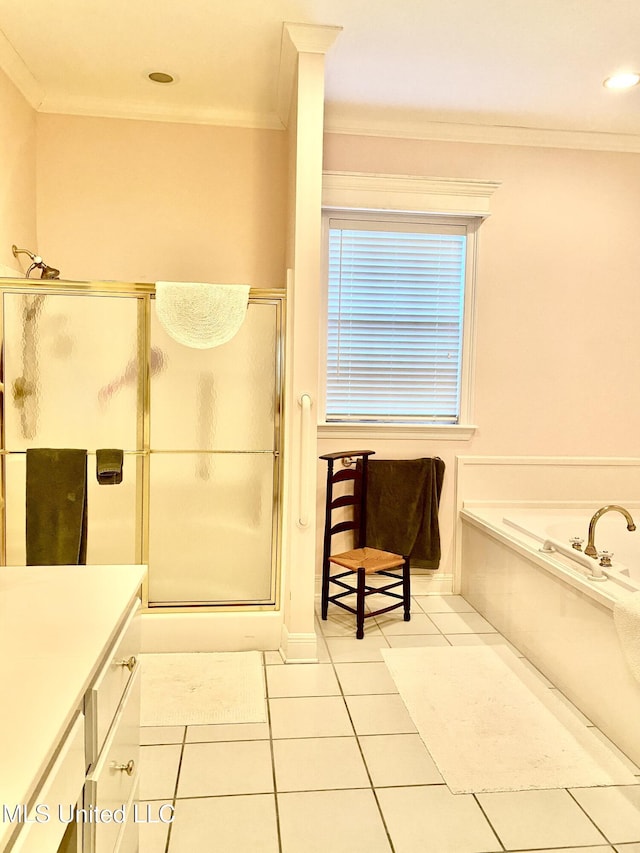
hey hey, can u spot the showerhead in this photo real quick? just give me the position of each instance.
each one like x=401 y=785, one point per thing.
x=49 y=272
x=46 y=271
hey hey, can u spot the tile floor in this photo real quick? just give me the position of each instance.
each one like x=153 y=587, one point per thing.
x=339 y=767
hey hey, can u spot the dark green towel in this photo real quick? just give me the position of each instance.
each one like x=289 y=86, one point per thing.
x=109 y=466
x=56 y=507
x=403 y=496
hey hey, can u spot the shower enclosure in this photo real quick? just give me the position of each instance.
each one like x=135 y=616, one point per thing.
x=89 y=366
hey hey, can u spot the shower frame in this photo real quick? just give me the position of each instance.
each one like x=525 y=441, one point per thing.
x=144 y=293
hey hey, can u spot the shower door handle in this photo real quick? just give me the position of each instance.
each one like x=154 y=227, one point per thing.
x=305 y=474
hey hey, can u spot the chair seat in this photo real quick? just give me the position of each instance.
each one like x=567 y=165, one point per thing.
x=370 y=559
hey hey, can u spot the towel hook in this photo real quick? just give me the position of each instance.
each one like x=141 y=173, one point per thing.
x=347 y=462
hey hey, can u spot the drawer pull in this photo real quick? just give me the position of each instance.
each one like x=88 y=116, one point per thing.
x=127 y=768
x=129 y=663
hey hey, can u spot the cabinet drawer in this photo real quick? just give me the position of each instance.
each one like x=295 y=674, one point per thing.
x=60 y=792
x=110 y=786
x=107 y=690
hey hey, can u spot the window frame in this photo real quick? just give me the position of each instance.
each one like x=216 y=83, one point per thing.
x=359 y=194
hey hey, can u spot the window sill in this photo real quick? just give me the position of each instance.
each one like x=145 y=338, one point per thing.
x=441 y=432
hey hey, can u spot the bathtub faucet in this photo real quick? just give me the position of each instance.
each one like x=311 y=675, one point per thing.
x=590 y=550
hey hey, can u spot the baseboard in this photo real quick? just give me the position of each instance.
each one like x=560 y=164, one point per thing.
x=298 y=648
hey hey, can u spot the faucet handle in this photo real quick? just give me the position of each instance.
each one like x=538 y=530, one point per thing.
x=605 y=558
x=576 y=542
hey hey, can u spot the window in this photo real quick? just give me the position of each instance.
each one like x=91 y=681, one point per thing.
x=398 y=318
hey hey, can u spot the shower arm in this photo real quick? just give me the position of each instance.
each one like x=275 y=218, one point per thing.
x=47 y=272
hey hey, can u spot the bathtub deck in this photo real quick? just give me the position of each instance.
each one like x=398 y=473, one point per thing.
x=339 y=767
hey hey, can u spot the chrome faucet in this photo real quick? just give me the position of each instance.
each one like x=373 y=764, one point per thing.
x=590 y=550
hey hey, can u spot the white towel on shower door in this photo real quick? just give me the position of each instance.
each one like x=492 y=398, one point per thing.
x=201 y=315
x=626 y=616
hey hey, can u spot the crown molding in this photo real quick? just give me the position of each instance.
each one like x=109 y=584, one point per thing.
x=397 y=126
x=190 y=114
x=16 y=70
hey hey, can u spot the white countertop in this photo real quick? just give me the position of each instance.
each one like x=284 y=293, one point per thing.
x=56 y=624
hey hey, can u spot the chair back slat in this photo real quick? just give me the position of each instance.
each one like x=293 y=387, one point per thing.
x=344 y=500
x=342 y=526
x=345 y=474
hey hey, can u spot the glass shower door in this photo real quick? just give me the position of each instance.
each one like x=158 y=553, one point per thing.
x=214 y=463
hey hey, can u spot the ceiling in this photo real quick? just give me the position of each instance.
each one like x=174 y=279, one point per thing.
x=443 y=68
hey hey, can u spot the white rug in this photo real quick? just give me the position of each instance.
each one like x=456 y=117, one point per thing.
x=201 y=688
x=491 y=725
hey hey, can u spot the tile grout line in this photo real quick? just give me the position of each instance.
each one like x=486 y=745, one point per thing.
x=601 y=831
x=175 y=789
x=486 y=817
x=364 y=763
x=271 y=750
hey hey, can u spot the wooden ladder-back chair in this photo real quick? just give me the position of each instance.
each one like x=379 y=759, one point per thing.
x=361 y=560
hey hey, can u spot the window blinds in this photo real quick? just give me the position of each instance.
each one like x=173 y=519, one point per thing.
x=395 y=317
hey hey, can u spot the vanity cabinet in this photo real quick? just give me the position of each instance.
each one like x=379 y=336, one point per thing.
x=69 y=732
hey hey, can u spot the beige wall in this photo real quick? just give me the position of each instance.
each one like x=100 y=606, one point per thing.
x=145 y=201
x=17 y=176
x=558 y=299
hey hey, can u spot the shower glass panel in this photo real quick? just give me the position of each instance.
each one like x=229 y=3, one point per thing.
x=111 y=516
x=71 y=380
x=216 y=399
x=210 y=537
x=70 y=371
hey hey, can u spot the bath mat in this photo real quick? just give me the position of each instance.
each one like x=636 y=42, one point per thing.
x=202 y=688
x=490 y=724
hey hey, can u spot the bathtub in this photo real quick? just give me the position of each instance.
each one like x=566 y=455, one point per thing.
x=519 y=570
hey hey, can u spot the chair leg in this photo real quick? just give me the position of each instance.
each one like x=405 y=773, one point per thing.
x=406 y=589
x=360 y=605
x=324 y=597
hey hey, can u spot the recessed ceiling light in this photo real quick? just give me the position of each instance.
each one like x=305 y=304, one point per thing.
x=160 y=77
x=624 y=80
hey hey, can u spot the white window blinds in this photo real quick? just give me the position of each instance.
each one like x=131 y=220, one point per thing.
x=395 y=322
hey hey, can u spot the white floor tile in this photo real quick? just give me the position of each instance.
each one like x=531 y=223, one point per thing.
x=433 y=820
x=153 y=836
x=549 y=818
x=273 y=658
x=395 y=624
x=150 y=735
x=575 y=711
x=614 y=810
x=331 y=822
x=413 y=641
x=395 y=760
x=217 y=769
x=589 y=849
x=618 y=752
x=462 y=623
x=347 y=649
x=227 y=731
x=443 y=604
x=322 y=716
x=379 y=715
x=302 y=680
x=319 y=764
x=482 y=640
x=365 y=678
x=344 y=625
x=539 y=675
x=159 y=771
x=627 y=848
x=246 y=824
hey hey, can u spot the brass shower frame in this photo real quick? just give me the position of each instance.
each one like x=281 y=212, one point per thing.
x=144 y=293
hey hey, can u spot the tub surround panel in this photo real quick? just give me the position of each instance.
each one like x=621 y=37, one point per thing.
x=563 y=625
